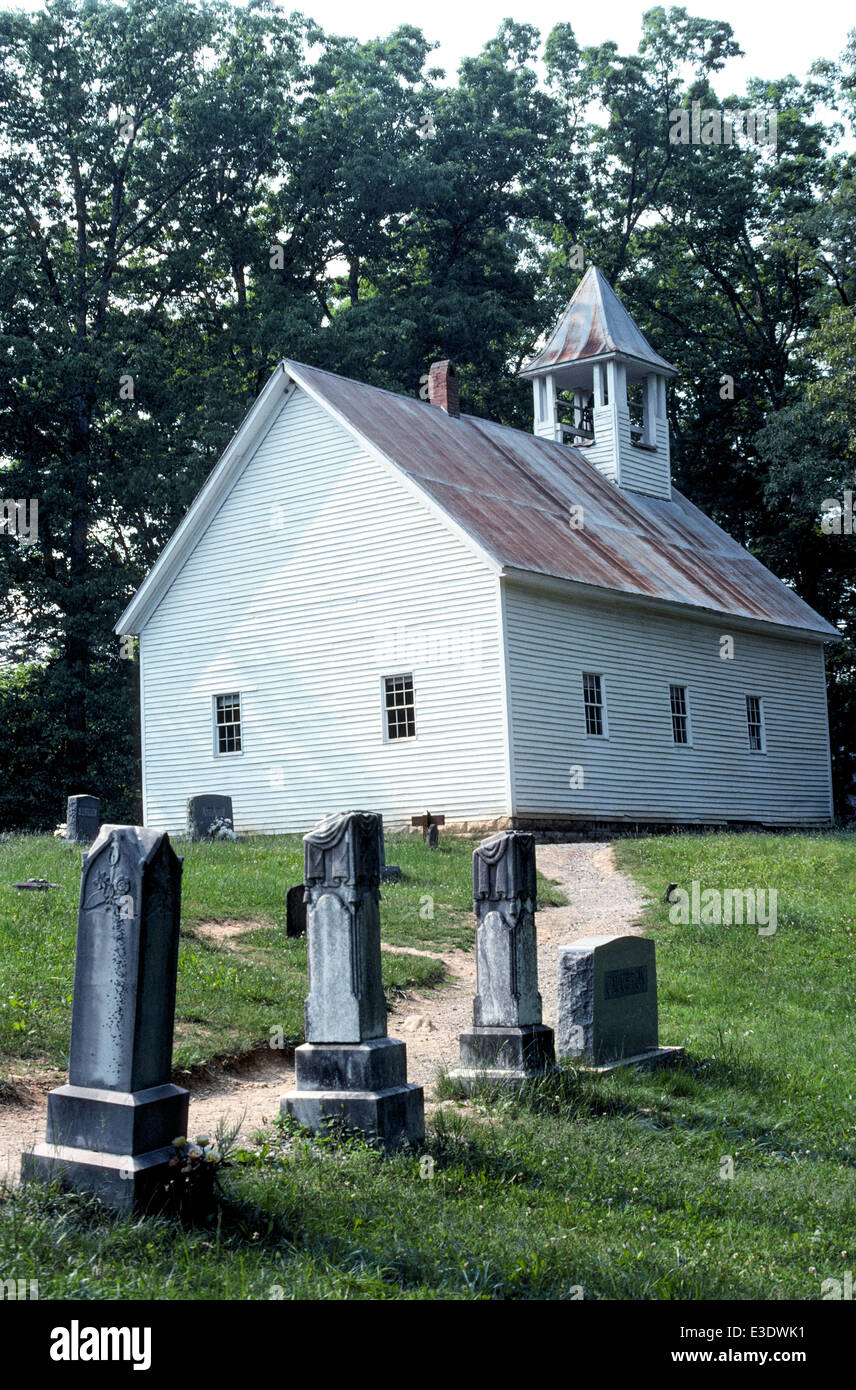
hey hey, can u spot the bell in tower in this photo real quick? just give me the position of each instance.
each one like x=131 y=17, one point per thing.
x=600 y=387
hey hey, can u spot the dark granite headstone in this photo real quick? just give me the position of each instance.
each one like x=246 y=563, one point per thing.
x=348 y=1069
x=508 y=1039
x=204 y=810
x=295 y=911
x=110 y=1129
x=82 y=819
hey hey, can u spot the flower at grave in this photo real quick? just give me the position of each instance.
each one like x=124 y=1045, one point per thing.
x=179 y=1143
x=212 y=1156
x=202 y=1140
x=59 y=833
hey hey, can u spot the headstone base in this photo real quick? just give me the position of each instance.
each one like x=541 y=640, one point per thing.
x=114 y=1143
x=125 y=1182
x=361 y=1085
x=527 y=1049
x=118 y=1122
x=656 y=1057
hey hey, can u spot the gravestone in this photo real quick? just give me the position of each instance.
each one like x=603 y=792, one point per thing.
x=204 y=810
x=295 y=911
x=348 y=1069
x=607 y=1003
x=508 y=1040
x=430 y=831
x=110 y=1128
x=389 y=873
x=82 y=819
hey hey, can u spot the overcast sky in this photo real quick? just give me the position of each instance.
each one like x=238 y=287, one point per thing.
x=777 y=38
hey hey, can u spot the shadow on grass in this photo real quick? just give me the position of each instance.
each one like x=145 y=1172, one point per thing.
x=700 y=1084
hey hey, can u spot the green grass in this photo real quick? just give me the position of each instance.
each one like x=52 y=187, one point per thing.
x=778 y=1011
x=612 y=1186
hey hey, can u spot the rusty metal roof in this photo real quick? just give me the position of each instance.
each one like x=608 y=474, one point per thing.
x=595 y=324
x=511 y=492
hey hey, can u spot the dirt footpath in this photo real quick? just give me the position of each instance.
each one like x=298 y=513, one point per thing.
x=600 y=901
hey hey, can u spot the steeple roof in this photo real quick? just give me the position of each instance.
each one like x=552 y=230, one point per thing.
x=595 y=324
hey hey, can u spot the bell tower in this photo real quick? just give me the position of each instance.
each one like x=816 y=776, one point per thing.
x=600 y=387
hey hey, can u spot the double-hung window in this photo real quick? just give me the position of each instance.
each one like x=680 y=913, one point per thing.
x=594 y=705
x=680 y=709
x=755 y=724
x=227 y=723
x=399 y=707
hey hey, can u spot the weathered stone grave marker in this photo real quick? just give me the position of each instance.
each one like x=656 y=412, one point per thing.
x=607 y=1003
x=204 y=810
x=348 y=1069
x=295 y=911
x=109 y=1129
x=508 y=1041
x=82 y=819
x=389 y=873
x=430 y=828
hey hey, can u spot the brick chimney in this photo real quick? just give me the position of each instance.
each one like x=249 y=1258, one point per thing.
x=443 y=388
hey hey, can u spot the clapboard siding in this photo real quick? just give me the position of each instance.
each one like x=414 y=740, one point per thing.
x=638 y=772
x=645 y=470
x=615 y=455
x=320 y=573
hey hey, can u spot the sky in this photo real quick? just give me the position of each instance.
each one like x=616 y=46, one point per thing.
x=777 y=38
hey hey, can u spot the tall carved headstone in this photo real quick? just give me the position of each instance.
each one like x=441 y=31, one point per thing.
x=109 y=1129
x=82 y=819
x=508 y=1040
x=348 y=1069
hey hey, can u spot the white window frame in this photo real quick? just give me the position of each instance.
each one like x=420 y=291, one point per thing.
x=222 y=695
x=680 y=685
x=384 y=713
x=749 y=695
x=603 y=715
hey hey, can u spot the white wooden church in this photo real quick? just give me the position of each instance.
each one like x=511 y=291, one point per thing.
x=376 y=601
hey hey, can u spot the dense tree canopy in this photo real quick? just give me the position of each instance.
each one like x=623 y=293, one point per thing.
x=189 y=192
